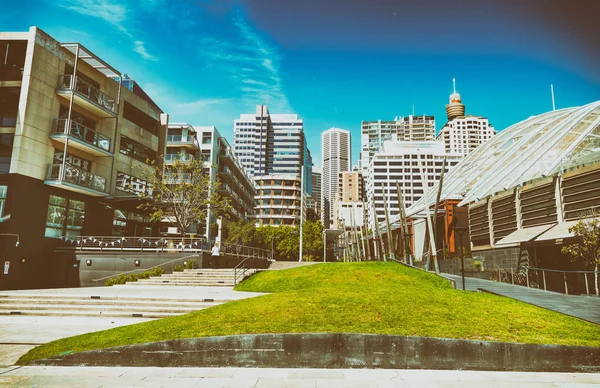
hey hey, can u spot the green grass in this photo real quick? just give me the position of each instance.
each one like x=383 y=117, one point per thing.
x=383 y=298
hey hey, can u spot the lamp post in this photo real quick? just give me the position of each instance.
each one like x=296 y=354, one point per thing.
x=324 y=245
x=460 y=232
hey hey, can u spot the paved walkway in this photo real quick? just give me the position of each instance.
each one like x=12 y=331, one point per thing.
x=19 y=334
x=250 y=377
x=584 y=307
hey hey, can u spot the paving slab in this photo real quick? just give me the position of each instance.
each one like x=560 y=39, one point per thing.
x=269 y=377
x=579 y=306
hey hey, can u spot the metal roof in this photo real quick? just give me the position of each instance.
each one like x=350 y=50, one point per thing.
x=92 y=59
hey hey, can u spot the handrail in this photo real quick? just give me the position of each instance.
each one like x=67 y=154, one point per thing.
x=142 y=269
x=241 y=266
x=76 y=175
x=74 y=129
x=88 y=90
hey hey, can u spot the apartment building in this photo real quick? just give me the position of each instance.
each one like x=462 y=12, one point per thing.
x=350 y=198
x=316 y=190
x=375 y=133
x=414 y=165
x=74 y=141
x=463 y=134
x=278 y=200
x=336 y=154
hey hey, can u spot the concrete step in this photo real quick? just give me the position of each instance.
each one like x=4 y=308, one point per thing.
x=92 y=302
x=125 y=299
x=204 y=283
x=69 y=313
x=103 y=308
x=194 y=276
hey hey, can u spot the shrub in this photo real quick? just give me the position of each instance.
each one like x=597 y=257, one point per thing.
x=122 y=279
x=177 y=268
x=478 y=264
x=190 y=264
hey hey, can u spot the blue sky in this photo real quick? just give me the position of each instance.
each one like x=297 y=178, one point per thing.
x=335 y=62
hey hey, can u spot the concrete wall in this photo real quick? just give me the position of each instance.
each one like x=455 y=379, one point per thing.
x=341 y=350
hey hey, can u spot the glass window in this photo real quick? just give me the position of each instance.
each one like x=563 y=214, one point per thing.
x=135 y=150
x=131 y=184
x=3 y=190
x=65 y=217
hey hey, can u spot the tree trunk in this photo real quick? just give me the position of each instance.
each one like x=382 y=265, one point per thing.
x=596 y=278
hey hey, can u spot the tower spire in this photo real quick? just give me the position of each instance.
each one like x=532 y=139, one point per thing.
x=454 y=84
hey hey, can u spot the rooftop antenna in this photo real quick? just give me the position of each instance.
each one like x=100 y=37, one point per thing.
x=413 y=109
x=552 y=91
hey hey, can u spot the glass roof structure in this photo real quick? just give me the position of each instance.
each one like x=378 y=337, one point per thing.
x=539 y=146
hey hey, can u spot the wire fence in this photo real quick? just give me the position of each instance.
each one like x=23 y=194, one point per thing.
x=567 y=282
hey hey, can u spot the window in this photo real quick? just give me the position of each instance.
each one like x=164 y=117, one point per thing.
x=121 y=218
x=6 y=143
x=3 y=190
x=65 y=217
x=82 y=163
x=136 y=150
x=131 y=184
x=140 y=118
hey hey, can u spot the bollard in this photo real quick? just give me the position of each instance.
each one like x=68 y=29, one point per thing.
x=527 y=276
x=544 y=277
x=566 y=288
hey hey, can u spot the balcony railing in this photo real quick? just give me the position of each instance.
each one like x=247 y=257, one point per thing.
x=180 y=139
x=181 y=158
x=81 y=132
x=76 y=176
x=88 y=90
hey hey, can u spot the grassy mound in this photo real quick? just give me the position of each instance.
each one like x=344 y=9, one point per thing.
x=382 y=298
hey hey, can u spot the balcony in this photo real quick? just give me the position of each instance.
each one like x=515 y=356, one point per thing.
x=182 y=141
x=87 y=96
x=171 y=158
x=76 y=179
x=81 y=137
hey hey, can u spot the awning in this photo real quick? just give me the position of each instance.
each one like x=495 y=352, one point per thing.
x=559 y=231
x=524 y=235
x=333 y=233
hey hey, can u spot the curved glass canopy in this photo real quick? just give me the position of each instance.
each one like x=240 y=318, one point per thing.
x=539 y=146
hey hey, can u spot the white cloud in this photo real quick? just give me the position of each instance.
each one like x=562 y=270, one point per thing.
x=141 y=49
x=103 y=9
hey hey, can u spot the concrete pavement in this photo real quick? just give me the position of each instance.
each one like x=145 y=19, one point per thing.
x=579 y=306
x=256 y=377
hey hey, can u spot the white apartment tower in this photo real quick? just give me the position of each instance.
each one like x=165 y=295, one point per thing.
x=414 y=165
x=410 y=128
x=336 y=154
x=462 y=134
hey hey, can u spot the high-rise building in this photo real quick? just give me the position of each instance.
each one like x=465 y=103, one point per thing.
x=316 y=190
x=75 y=143
x=414 y=165
x=375 y=133
x=336 y=154
x=462 y=134
x=350 y=198
x=278 y=200
x=272 y=148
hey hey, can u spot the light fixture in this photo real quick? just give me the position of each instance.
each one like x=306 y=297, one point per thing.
x=136 y=263
x=88 y=262
x=23 y=260
x=17 y=244
x=185 y=263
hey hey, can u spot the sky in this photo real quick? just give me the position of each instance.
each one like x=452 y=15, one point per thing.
x=336 y=63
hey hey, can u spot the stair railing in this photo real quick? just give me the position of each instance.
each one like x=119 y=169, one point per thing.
x=142 y=269
x=240 y=270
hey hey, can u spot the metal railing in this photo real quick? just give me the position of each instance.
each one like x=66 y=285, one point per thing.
x=567 y=282
x=76 y=176
x=140 y=270
x=181 y=158
x=80 y=131
x=240 y=270
x=88 y=91
x=181 y=139
x=158 y=244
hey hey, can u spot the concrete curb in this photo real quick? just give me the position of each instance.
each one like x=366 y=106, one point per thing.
x=341 y=350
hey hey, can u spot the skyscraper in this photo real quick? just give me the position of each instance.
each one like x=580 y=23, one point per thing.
x=455 y=107
x=336 y=148
x=316 y=189
x=272 y=148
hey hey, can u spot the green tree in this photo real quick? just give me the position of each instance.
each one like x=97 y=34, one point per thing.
x=587 y=248
x=181 y=191
x=312 y=236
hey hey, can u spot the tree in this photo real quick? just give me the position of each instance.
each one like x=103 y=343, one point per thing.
x=312 y=236
x=587 y=249
x=182 y=191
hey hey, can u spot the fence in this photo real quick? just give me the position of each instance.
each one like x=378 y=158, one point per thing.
x=567 y=282
x=157 y=245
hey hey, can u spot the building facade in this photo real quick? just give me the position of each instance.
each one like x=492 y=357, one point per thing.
x=316 y=191
x=414 y=165
x=350 y=198
x=205 y=143
x=375 y=133
x=278 y=200
x=75 y=142
x=336 y=154
x=463 y=134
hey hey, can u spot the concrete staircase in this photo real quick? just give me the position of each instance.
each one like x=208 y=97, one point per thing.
x=82 y=306
x=281 y=265
x=205 y=277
